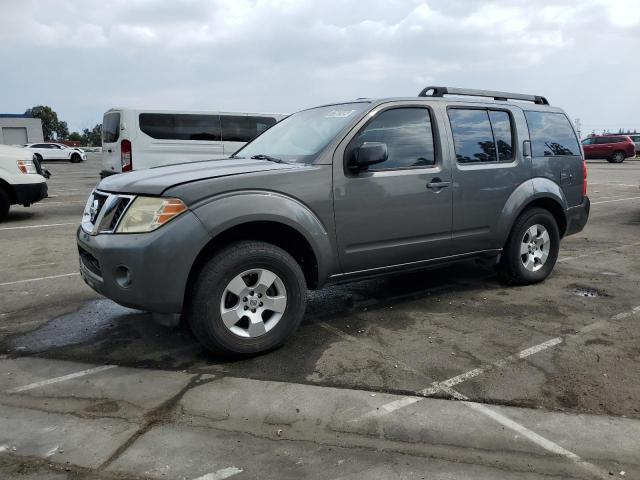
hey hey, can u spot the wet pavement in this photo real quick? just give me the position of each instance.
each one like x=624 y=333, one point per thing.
x=570 y=344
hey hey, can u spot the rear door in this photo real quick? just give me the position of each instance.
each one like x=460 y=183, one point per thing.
x=489 y=166
x=604 y=147
x=111 y=142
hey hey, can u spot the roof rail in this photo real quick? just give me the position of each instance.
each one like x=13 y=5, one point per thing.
x=442 y=91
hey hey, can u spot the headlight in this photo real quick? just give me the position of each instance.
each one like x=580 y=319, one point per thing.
x=148 y=213
x=26 y=166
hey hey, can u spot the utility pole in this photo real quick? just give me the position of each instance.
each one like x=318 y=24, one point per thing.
x=578 y=125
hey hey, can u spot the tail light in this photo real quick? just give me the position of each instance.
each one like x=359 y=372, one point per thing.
x=584 y=178
x=126 y=159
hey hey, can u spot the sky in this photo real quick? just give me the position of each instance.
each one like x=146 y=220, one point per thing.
x=82 y=57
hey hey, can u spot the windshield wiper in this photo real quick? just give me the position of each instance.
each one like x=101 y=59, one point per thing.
x=267 y=157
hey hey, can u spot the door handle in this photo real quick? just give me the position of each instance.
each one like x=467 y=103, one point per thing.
x=436 y=184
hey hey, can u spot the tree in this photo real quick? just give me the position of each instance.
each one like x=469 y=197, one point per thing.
x=93 y=137
x=75 y=137
x=52 y=127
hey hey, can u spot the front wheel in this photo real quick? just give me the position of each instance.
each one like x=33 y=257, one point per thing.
x=618 y=157
x=247 y=299
x=76 y=158
x=532 y=249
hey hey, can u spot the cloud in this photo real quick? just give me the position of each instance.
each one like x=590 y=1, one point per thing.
x=281 y=55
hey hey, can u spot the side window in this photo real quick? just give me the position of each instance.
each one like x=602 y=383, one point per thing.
x=551 y=134
x=472 y=135
x=408 y=134
x=502 y=132
x=587 y=141
x=237 y=128
x=169 y=126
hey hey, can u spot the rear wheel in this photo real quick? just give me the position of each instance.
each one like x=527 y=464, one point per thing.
x=5 y=203
x=532 y=249
x=247 y=299
x=618 y=157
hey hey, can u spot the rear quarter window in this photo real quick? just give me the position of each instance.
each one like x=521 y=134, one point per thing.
x=111 y=127
x=551 y=134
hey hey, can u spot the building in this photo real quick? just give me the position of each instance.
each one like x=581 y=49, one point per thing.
x=18 y=129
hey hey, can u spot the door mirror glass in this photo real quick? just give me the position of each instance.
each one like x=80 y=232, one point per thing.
x=369 y=153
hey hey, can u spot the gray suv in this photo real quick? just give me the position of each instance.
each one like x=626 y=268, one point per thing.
x=336 y=193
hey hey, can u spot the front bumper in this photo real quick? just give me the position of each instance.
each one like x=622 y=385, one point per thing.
x=577 y=217
x=29 y=193
x=147 y=271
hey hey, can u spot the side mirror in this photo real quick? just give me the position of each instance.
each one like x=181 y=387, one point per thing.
x=367 y=154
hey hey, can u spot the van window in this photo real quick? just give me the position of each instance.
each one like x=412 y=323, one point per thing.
x=111 y=127
x=551 y=134
x=408 y=135
x=181 y=126
x=244 y=128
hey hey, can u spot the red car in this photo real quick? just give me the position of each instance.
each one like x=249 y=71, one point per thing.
x=614 y=148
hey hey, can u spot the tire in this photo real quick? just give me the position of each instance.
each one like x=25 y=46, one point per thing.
x=618 y=157
x=75 y=158
x=536 y=221
x=5 y=203
x=239 y=267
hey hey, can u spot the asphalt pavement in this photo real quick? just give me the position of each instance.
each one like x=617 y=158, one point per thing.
x=444 y=373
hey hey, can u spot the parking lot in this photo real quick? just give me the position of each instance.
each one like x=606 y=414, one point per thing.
x=447 y=370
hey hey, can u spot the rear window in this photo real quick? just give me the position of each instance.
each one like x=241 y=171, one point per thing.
x=111 y=127
x=551 y=134
x=172 y=126
x=237 y=128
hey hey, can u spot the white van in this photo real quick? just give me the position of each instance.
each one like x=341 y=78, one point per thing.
x=21 y=180
x=139 y=139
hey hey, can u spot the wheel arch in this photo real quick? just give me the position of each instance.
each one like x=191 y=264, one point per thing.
x=13 y=197
x=535 y=193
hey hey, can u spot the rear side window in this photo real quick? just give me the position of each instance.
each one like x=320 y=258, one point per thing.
x=111 y=127
x=408 y=134
x=244 y=128
x=181 y=126
x=551 y=134
x=481 y=135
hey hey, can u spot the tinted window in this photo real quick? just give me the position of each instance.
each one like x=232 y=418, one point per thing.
x=243 y=128
x=408 y=135
x=605 y=140
x=171 y=126
x=551 y=134
x=501 y=125
x=111 y=127
x=587 y=141
x=472 y=135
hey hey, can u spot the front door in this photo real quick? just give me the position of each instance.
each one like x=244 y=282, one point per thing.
x=399 y=211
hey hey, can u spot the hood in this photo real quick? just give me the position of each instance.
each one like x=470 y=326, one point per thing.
x=15 y=153
x=155 y=181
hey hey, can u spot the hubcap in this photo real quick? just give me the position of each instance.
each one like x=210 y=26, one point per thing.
x=253 y=303
x=534 y=248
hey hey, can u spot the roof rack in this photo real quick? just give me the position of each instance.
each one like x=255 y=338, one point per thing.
x=442 y=91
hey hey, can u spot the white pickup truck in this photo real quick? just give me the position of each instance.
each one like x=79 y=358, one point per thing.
x=21 y=179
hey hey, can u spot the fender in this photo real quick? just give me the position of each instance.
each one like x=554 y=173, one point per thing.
x=228 y=210
x=525 y=194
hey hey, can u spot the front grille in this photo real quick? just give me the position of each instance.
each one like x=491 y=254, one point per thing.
x=104 y=211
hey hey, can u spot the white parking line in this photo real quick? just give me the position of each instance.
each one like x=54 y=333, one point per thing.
x=534 y=437
x=50 y=381
x=221 y=474
x=16 y=282
x=617 y=200
x=437 y=386
x=40 y=226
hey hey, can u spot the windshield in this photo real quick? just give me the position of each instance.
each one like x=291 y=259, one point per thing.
x=301 y=136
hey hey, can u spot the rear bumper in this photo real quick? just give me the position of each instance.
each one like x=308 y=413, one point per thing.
x=578 y=216
x=29 y=193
